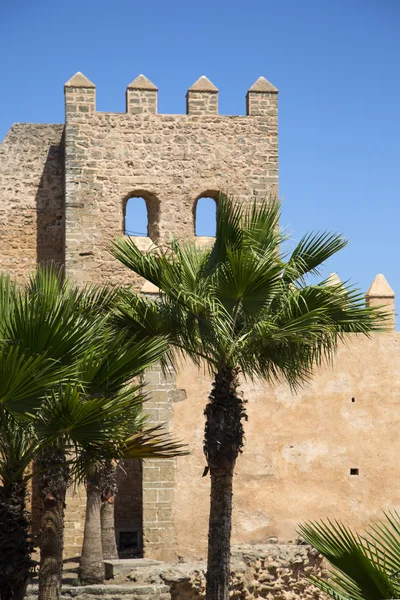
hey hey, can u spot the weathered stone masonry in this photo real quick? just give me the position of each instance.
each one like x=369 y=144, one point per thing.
x=170 y=160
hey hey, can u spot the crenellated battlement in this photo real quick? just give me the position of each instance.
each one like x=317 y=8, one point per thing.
x=168 y=160
x=142 y=97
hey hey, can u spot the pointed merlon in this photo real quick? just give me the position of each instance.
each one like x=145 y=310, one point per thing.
x=142 y=83
x=149 y=288
x=263 y=85
x=380 y=288
x=333 y=279
x=203 y=84
x=79 y=80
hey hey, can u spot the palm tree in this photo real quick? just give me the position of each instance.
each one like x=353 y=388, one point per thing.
x=243 y=309
x=25 y=376
x=57 y=322
x=108 y=373
x=16 y=544
x=52 y=348
x=366 y=567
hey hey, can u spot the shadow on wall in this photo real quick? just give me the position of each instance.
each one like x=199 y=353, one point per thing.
x=50 y=209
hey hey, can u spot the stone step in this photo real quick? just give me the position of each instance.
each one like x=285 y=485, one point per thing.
x=108 y=592
x=124 y=566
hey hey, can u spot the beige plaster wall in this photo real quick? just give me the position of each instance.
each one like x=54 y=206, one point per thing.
x=299 y=448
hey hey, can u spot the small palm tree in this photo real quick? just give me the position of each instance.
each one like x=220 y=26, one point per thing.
x=366 y=567
x=243 y=309
x=108 y=373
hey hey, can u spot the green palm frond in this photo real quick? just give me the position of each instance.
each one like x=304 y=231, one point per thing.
x=311 y=252
x=68 y=414
x=242 y=303
x=17 y=448
x=24 y=379
x=361 y=568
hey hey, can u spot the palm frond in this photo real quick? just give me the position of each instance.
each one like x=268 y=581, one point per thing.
x=311 y=252
x=360 y=572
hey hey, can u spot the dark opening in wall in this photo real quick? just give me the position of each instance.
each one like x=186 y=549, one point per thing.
x=353 y=399
x=128 y=509
x=205 y=216
x=141 y=215
x=354 y=471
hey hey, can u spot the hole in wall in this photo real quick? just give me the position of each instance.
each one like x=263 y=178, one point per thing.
x=354 y=471
x=353 y=399
x=205 y=217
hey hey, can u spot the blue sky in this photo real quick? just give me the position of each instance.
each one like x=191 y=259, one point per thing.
x=334 y=62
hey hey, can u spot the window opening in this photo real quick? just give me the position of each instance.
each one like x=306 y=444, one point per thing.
x=354 y=471
x=136 y=219
x=205 y=217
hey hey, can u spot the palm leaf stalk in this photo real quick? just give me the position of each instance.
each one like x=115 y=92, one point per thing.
x=365 y=567
x=244 y=308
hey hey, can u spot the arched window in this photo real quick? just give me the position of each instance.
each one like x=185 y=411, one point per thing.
x=141 y=215
x=136 y=220
x=205 y=217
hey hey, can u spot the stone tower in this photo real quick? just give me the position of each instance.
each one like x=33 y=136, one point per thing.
x=169 y=160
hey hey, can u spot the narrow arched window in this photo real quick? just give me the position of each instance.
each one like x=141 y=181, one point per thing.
x=205 y=217
x=136 y=219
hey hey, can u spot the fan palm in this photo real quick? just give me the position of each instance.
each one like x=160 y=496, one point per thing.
x=366 y=567
x=243 y=309
x=107 y=372
x=28 y=330
x=16 y=453
x=55 y=357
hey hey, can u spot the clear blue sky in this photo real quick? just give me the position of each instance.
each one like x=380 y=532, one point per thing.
x=335 y=62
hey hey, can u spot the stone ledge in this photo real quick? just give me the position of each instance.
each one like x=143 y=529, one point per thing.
x=114 y=568
x=114 y=592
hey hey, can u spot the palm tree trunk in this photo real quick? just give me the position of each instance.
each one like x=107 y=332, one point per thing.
x=53 y=480
x=15 y=544
x=108 y=541
x=91 y=568
x=222 y=443
x=109 y=487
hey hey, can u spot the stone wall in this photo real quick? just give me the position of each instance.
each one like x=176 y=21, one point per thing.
x=159 y=528
x=31 y=197
x=262 y=571
x=169 y=160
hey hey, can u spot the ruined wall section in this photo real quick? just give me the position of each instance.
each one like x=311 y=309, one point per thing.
x=31 y=197
x=170 y=160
